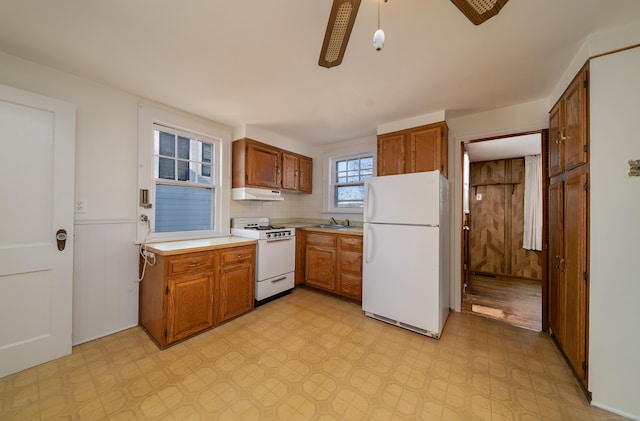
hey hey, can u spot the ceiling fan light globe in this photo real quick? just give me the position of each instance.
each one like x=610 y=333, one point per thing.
x=378 y=39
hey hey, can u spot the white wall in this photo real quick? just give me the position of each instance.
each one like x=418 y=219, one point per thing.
x=614 y=336
x=105 y=257
x=520 y=118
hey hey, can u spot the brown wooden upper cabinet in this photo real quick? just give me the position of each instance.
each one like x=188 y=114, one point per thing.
x=296 y=172
x=568 y=146
x=412 y=150
x=256 y=164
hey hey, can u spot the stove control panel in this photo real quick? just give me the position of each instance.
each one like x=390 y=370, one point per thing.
x=274 y=235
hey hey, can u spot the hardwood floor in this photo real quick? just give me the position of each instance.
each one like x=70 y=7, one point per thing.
x=512 y=300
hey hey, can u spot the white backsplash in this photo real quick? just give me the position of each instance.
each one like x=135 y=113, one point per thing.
x=293 y=206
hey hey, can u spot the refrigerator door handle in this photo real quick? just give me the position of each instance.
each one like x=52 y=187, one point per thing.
x=367 y=246
x=368 y=206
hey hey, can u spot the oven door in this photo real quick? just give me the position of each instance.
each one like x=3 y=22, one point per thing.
x=276 y=257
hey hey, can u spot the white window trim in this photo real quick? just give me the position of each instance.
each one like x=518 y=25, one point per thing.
x=148 y=116
x=333 y=155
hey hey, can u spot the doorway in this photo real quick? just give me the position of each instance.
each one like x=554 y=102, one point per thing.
x=504 y=276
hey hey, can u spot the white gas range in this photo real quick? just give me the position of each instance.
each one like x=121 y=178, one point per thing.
x=275 y=256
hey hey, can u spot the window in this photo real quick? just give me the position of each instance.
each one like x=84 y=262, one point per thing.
x=348 y=174
x=182 y=193
x=184 y=186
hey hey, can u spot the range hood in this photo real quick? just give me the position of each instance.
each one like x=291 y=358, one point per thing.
x=251 y=193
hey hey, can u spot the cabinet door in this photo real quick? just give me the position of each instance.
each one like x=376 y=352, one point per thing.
x=575 y=115
x=262 y=166
x=556 y=253
x=556 y=146
x=236 y=287
x=305 y=174
x=351 y=286
x=350 y=266
x=320 y=267
x=290 y=171
x=575 y=268
x=189 y=307
x=301 y=245
x=391 y=151
x=425 y=146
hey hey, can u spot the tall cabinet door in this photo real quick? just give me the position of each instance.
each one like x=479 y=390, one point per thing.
x=575 y=267
x=575 y=133
x=556 y=148
x=556 y=253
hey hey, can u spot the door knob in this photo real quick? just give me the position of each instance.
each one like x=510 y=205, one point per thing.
x=61 y=238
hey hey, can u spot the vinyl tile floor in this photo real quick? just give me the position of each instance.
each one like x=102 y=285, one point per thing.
x=307 y=356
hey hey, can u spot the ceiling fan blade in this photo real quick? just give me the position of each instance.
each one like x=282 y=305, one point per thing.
x=341 y=20
x=478 y=11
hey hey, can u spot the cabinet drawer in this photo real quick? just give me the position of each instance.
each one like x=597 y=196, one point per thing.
x=321 y=239
x=190 y=263
x=351 y=286
x=351 y=261
x=351 y=243
x=236 y=255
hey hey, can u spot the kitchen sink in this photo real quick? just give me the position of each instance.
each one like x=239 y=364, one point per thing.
x=328 y=226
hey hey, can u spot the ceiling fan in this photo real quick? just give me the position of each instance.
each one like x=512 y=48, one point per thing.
x=343 y=15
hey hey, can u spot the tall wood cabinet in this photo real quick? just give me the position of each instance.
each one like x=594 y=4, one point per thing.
x=568 y=200
x=188 y=292
x=413 y=150
x=257 y=164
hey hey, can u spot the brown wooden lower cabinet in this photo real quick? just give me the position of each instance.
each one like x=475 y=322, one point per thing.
x=187 y=293
x=236 y=282
x=321 y=263
x=333 y=263
x=189 y=309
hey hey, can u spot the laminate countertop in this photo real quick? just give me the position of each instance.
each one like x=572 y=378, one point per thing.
x=169 y=248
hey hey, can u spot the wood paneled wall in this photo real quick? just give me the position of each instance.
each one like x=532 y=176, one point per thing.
x=497 y=220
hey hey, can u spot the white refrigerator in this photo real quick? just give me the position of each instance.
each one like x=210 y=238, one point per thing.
x=406 y=251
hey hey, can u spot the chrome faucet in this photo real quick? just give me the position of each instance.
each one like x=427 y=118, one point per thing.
x=334 y=221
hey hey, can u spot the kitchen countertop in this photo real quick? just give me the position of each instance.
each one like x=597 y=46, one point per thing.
x=345 y=230
x=169 y=248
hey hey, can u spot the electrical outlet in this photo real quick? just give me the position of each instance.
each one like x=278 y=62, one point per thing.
x=479 y=196
x=80 y=206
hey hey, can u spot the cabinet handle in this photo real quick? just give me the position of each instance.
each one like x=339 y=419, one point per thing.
x=563 y=136
x=192 y=265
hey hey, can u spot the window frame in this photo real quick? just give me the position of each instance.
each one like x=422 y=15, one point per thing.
x=150 y=119
x=359 y=148
x=335 y=184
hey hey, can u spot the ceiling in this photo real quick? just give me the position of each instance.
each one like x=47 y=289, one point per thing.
x=255 y=62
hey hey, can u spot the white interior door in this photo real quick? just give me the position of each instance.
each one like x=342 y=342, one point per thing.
x=37 y=152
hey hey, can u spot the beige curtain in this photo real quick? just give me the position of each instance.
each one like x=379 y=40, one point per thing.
x=532 y=239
